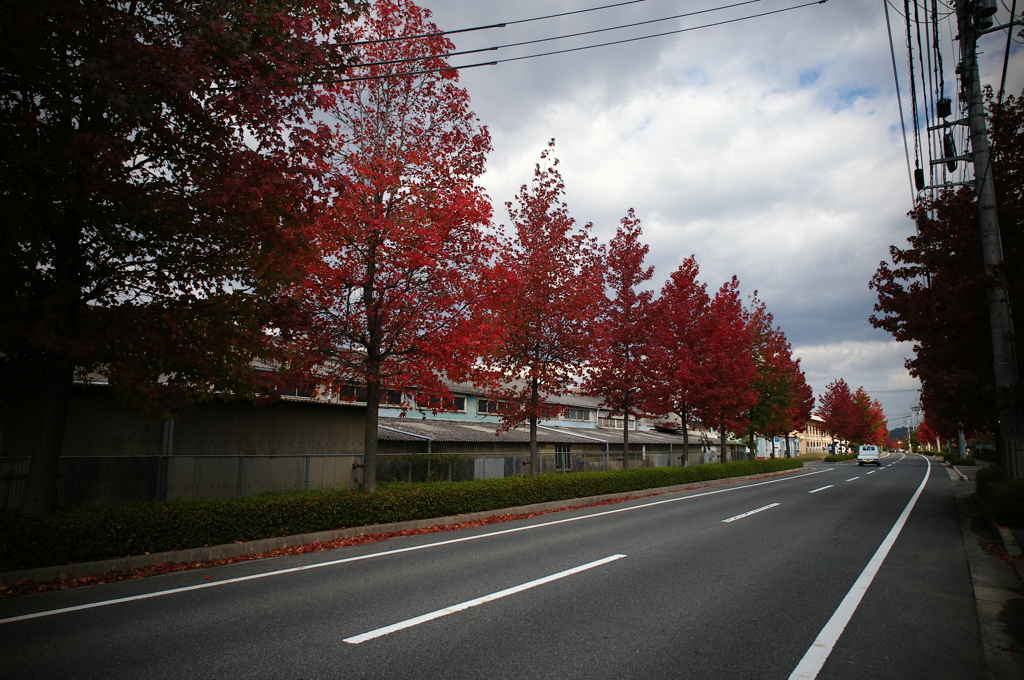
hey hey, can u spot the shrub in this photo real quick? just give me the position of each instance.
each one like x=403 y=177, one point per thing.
x=961 y=462
x=434 y=467
x=839 y=457
x=1005 y=502
x=95 y=532
x=1001 y=496
x=986 y=477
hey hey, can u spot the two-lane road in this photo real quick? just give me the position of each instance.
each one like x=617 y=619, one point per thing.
x=830 y=572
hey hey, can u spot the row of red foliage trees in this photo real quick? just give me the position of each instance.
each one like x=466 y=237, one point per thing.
x=198 y=189
x=852 y=415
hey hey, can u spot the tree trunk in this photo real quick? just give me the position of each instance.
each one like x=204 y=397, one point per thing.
x=724 y=454
x=625 y=435
x=370 y=440
x=41 y=486
x=534 y=447
x=686 y=435
x=686 y=443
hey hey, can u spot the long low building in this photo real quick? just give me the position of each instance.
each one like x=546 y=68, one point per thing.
x=219 y=449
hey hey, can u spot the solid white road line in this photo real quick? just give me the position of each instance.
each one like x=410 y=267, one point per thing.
x=748 y=514
x=409 y=623
x=821 y=648
x=369 y=556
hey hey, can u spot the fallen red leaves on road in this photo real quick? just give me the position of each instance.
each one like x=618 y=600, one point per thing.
x=31 y=587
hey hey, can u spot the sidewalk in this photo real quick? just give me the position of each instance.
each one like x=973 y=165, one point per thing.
x=997 y=572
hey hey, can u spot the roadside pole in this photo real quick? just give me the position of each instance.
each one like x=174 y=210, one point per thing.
x=970 y=13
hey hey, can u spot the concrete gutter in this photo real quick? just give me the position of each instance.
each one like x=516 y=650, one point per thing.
x=217 y=552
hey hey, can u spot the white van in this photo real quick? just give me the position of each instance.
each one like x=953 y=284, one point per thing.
x=868 y=454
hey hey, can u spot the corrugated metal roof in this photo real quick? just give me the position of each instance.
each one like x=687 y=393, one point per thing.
x=407 y=429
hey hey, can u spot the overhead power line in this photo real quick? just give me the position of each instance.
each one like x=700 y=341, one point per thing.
x=899 y=99
x=567 y=50
x=460 y=53
x=490 y=26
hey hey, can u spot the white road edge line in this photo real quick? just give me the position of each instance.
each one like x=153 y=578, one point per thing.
x=821 y=488
x=821 y=648
x=748 y=514
x=415 y=621
x=398 y=551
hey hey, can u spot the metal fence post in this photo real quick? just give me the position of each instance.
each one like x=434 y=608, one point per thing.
x=240 y=478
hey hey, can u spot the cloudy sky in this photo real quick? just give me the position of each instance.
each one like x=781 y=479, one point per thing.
x=769 y=148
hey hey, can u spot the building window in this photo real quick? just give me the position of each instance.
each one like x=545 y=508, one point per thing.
x=490 y=407
x=451 y=404
x=299 y=392
x=357 y=395
x=563 y=457
x=580 y=414
x=615 y=422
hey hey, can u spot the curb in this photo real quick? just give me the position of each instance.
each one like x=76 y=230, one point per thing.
x=994 y=587
x=217 y=552
x=1009 y=541
x=1007 y=537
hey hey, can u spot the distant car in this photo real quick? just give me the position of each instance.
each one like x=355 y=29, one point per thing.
x=868 y=454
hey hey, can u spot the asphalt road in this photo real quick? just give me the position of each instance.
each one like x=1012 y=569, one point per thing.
x=834 y=572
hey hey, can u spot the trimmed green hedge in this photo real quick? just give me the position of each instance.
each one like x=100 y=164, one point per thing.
x=839 y=457
x=96 y=532
x=1002 y=497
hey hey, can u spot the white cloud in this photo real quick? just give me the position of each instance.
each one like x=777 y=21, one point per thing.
x=770 y=149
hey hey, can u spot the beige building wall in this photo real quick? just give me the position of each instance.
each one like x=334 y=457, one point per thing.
x=814 y=439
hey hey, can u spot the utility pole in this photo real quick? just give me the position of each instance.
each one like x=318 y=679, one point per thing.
x=974 y=17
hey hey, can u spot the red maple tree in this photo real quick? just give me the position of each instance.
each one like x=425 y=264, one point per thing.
x=775 y=376
x=797 y=407
x=926 y=435
x=731 y=393
x=545 y=310
x=879 y=424
x=934 y=296
x=872 y=427
x=934 y=293
x=802 y=406
x=620 y=357
x=153 y=190
x=682 y=374
x=1006 y=131
x=838 y=410
x=402 y=239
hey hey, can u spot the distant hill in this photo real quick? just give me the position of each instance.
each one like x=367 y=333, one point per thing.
x=898 y=433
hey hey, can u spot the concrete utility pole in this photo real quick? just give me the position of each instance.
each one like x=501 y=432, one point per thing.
x=974 y=17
